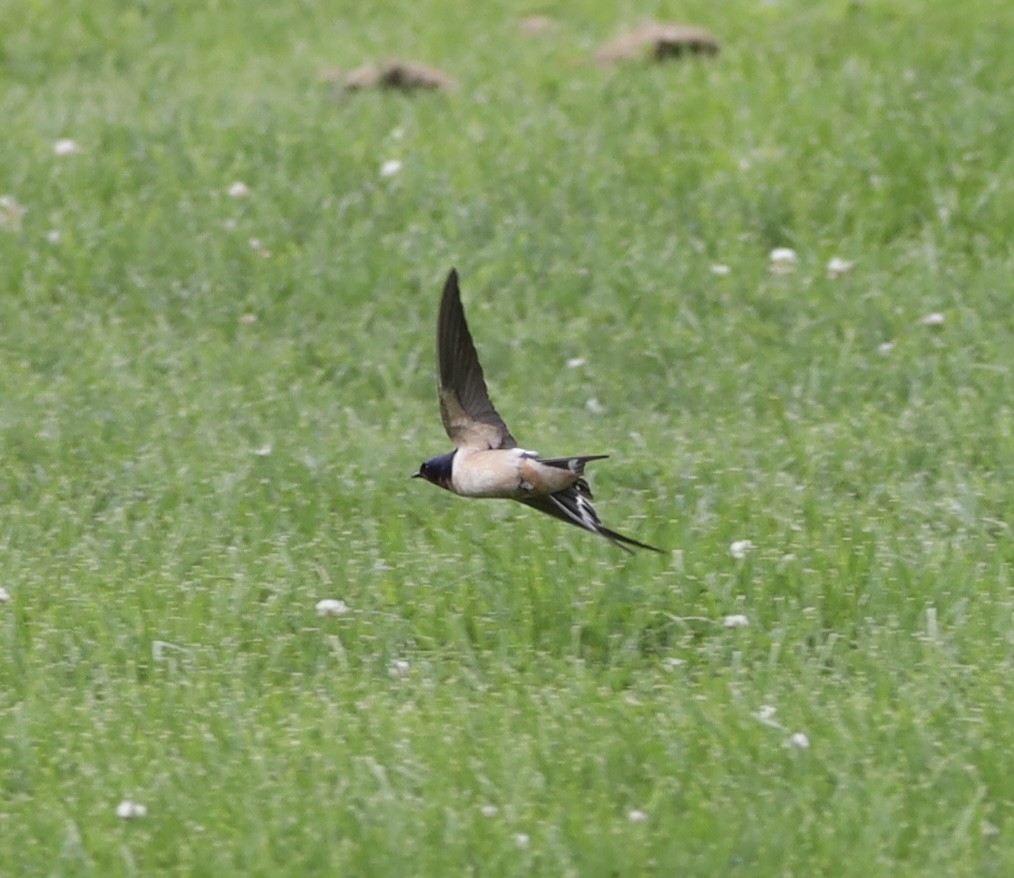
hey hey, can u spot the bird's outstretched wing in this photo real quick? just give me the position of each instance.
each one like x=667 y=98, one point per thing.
x=573 y=505
x=468 y=415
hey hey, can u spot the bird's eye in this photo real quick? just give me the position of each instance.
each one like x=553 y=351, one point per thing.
x=425 y=468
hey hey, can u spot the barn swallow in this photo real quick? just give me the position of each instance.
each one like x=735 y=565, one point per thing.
x=487 y=461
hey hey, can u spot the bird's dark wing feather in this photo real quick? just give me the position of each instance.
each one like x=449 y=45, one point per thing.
x=468 y=415
x=573 y=506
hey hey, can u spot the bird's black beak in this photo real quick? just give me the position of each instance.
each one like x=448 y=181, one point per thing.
x=416 y=475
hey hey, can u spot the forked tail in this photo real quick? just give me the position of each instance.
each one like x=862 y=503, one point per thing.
x=574 y=464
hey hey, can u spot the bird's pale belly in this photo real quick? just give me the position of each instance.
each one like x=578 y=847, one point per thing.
x=510 y=474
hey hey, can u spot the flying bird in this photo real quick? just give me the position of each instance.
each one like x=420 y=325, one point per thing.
x=487 y=461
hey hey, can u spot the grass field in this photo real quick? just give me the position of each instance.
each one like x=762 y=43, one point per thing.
x=211 y=401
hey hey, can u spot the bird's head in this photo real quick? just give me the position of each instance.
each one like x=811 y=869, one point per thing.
x=437 y=470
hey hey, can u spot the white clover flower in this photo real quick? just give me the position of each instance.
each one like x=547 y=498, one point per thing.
x=720 y=270
x=885 y=347
x=11 y=213
x=489 y=811
x=736 y=620
x=331 y=607
x=522 y=839
x=799 y=741
x=739 y=549
x=4 y=595
x=766 y=716
x=128 y=810
x=53 y=236
x=594 y=406
x=576 y=362
x=66 y=146
x=390 y=168
x=934 y=319
x=258 y=246
x=399 y=668
x=238 y=189
x=637 y=816
x=247 y=319
x=838 y=266
x=783 y=260
x=264 y=450
x=672 y=663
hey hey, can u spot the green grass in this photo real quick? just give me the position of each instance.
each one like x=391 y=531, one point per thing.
x=199 y=442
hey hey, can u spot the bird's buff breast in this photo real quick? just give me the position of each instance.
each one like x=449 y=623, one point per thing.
x=511 y=474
